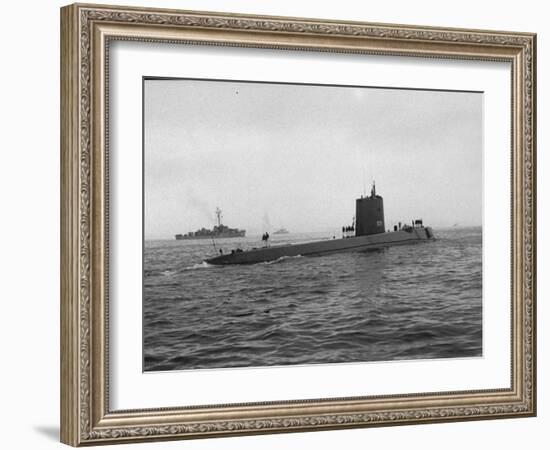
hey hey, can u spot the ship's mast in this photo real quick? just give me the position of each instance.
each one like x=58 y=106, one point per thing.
x=219 y=215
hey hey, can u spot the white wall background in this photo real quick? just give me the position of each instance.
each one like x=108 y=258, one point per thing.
x=29 y=225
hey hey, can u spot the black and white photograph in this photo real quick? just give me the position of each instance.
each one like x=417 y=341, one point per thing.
x=295 y=224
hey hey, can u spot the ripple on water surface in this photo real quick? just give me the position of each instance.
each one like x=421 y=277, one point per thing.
x=410 y=302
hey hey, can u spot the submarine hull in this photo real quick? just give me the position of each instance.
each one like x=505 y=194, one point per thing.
x=318 y=248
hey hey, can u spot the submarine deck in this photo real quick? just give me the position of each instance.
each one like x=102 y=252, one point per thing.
x=317 y=248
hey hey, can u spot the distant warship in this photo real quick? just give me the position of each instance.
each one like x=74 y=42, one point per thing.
x=367 y=232
x=281 y=231
x=219 y=231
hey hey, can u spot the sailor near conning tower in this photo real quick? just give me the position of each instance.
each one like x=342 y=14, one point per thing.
x=369 y=214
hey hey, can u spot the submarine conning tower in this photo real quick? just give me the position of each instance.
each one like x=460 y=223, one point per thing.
x=369 y=214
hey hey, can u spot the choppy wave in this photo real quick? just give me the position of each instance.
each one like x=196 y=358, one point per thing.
x=407 y=302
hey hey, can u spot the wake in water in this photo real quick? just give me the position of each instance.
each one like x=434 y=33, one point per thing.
x=281 y=259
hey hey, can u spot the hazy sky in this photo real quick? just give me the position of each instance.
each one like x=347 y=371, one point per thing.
x=296 y=155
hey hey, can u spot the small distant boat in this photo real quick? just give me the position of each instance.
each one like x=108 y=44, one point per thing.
x=281 y=231
x=219 y=231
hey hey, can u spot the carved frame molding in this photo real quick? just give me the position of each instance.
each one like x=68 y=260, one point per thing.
x=86 y=31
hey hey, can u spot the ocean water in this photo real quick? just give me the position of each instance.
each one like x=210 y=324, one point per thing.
x=420 y=301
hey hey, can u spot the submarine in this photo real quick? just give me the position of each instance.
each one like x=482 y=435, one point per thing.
x=367 y=232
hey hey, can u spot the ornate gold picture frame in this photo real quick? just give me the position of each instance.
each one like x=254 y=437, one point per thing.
x=87 y=31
